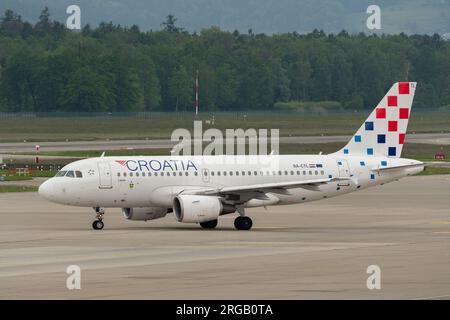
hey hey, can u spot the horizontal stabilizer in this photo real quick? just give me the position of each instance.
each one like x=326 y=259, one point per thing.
x=405 y=166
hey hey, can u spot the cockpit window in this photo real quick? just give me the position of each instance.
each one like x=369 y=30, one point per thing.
x=78 y=174
x=61 y=174
x=70 y=174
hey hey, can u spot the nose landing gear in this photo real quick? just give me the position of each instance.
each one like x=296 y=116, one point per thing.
x=98 y=224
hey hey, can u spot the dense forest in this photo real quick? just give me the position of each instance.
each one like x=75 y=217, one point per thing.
x=46 y=67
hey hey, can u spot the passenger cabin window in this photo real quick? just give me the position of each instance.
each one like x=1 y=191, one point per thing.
x=78 y=174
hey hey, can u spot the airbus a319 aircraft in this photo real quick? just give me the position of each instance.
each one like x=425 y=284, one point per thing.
x=199 y=189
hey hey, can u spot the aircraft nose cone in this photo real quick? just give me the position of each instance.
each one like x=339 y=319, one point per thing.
x=46 y=190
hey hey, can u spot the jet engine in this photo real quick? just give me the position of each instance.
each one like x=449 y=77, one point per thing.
x=196 y=209
x=144 y=214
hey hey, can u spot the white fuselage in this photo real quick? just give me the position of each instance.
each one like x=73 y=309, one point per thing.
x=125 y=182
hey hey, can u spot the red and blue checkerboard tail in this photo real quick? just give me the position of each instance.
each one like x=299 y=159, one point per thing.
x=384 y=131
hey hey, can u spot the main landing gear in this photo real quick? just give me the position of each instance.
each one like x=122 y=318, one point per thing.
x=209 y=224
x=242 y=222
x=98 y=224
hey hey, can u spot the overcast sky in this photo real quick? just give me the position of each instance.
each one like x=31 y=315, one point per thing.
x=263 y=16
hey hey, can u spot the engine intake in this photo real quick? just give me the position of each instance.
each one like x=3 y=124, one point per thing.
x=144 y=214
x=196 y=209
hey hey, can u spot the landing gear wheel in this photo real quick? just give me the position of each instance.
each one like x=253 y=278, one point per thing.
x=98 y=225
x=209 y=224
x=243 y=223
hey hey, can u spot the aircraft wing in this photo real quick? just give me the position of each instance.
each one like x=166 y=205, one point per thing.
x=263 y=187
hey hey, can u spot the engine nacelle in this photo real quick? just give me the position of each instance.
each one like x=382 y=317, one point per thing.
x=196 y=209
x=144 y=214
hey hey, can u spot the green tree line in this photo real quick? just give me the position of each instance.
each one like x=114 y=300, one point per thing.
x=45 y=67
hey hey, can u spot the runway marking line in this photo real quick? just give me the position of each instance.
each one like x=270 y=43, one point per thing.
x=440 y=222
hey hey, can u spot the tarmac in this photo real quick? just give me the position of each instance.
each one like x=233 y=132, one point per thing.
x=315 y=250
x=106 y=145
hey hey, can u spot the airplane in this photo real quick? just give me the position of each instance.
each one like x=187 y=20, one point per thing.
x=200 y=189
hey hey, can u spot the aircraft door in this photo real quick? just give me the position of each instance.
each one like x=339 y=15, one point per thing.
x=105 y=176
x=344 y=172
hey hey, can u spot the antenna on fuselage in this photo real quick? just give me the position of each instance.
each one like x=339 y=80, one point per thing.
x=103 y=154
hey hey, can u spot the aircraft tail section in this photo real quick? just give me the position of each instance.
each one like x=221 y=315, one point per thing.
x=384 y=131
